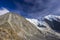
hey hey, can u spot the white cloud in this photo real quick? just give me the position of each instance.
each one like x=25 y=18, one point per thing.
x=3 y=11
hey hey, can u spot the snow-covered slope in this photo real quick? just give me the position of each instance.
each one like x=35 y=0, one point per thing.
x=34 y=21
x=49 y=22
x=39 y=24
x=48 y=17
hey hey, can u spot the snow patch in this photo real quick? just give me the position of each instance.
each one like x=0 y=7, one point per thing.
x=50 y=17
x=34 y=21
x=3 y=11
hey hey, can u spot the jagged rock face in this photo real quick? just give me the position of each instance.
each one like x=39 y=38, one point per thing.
x=15 y=27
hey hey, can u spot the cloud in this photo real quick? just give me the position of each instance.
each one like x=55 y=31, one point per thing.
x=33 y=8
x=39 y=8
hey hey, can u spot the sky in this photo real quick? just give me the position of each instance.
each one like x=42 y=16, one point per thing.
x=32 y=8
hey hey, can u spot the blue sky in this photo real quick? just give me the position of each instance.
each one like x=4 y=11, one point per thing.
x=11 y=5
x=32 y=8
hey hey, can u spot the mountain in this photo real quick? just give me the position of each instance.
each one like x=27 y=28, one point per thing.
x=50 y=25
x=54 y=22
x=15 y=27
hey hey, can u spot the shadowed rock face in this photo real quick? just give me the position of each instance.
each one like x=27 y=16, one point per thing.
x=15 y=27
x=54 y=23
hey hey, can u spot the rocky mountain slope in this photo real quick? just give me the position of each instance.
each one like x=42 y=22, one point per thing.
x=50 y=24
x=16 y=27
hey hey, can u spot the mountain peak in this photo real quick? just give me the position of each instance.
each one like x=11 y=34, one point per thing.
x=3 y=11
